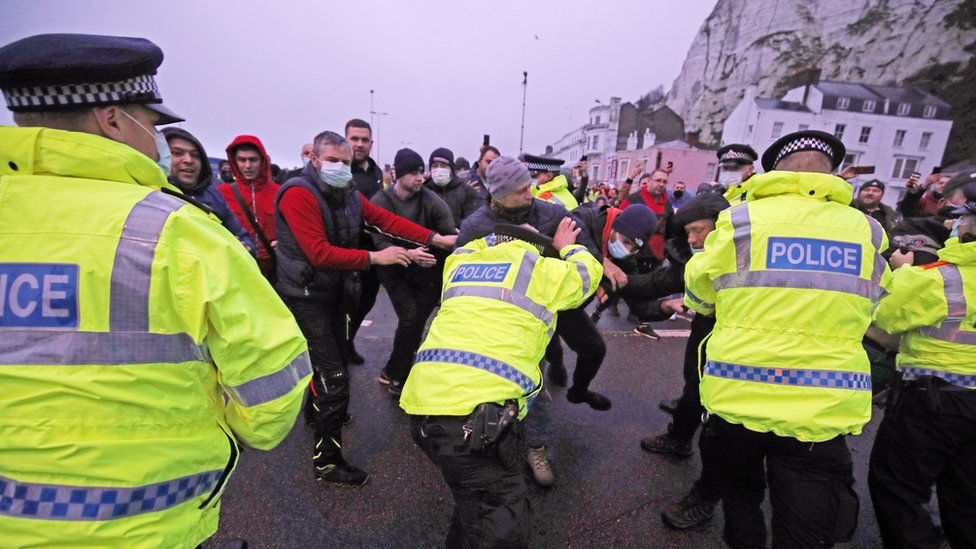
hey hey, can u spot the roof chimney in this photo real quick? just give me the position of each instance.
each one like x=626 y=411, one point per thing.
x=693 y=138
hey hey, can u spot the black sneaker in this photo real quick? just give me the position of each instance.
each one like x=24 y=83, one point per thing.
x=646 y=331
x=668 y=406
x=395 y=387
x=341 y=474
x=664 y=444
x=692 y=510
x=595 y=400
x=558 y=375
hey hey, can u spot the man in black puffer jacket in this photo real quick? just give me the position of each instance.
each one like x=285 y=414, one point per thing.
x=459 y=196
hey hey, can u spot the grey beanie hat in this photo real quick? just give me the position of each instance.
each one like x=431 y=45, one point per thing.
x=505 y=175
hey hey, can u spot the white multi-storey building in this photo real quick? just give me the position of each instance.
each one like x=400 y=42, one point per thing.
x=899 y=130
x=596 y=138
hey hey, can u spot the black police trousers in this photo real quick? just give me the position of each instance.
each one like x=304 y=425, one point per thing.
x=368 y=290
x=928 y=436
x=414 y=292
x=324 y=326
x=580 y=333
x=688 y=413
x=491 y=506
x=810 y=487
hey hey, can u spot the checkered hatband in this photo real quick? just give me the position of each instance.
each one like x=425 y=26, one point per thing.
x=805 y=144
x=542 y=166
x=736 y=156
x=140 y=89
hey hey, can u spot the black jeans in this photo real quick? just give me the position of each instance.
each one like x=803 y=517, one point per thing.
x=810 y=487
x=928 y=436
x=578 y=331
x=688 y=413
x=491 y=507
x=324 y=326
x=414 y=293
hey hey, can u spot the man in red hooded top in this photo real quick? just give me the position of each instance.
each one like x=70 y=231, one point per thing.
x=252 y=195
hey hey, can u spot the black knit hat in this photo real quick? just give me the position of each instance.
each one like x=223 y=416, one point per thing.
x=876 y=183
x=406 y=162
x=637 y=222
x=442 y=155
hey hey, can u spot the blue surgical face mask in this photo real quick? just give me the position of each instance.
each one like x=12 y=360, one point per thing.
x=165 y=161
x=954 y=233
x=336 y=174
x=697 y=250
x=535 y=182
x=618 y=250
x=305 y=161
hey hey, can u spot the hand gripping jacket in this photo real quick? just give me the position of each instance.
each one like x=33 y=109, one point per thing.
x=793 y=274
x=125 y=316
x=497 y=315
x=557 y=192
x=936 y=306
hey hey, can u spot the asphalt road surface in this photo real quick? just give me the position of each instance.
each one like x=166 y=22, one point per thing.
x=608 y=492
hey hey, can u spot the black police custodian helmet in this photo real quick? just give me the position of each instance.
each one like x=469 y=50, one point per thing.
x=51 y=72
x=807 y=140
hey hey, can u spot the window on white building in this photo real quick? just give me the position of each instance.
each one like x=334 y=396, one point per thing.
x=803 y=127
x=597 y=119
x=849 y=159
x=929 y=112
x=865 y=135
x=904 y=166
x=904 y=109
x=596 y=142
x=596 y=173
x=839 y=130
x=899 y=138
x=777 y=130
x=623 y=168
x=869 y=105
x=923 y=143
x=843 y=103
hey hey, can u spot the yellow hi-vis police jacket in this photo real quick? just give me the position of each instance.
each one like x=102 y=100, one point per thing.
x=936 y=306
x=557 y=192
x=792 y=275
x=497 y=315
x=125 y=315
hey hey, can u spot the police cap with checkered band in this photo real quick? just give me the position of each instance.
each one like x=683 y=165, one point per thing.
x=53 y=72
x=808 y=140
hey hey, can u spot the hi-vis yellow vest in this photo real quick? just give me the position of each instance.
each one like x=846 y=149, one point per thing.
x=936 y=306
x=557 y=192
x=791 y=275
x=497 y=315
x=125 y=316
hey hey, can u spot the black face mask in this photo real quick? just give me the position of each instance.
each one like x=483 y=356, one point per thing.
x=945 y=212
x=515 y=216
x=226 y=176
x=678 y=194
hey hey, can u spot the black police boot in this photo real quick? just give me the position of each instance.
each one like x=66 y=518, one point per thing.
x=594 y=399
x=558 y=375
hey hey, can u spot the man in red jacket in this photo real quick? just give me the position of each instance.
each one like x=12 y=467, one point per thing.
x=251 y=197
x=653 y=194
x=319 y=219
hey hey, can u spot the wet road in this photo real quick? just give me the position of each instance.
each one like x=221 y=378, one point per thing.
x=608 y=492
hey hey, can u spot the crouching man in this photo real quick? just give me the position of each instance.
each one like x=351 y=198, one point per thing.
x=469 y=388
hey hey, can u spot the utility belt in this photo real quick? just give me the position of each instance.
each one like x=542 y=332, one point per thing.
x=930 y=387
x=487 y=429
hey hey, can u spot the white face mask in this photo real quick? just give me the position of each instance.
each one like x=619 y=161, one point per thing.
x=729 y=179
x=440 y=176
x=165 y=161
x=697 y=250
x=336 y=174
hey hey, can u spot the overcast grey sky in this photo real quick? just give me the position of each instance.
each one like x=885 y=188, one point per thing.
x=445 y=71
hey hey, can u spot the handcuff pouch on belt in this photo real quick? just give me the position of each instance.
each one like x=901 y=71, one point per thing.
x=487 y=424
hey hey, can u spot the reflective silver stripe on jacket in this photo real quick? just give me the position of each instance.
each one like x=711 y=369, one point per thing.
x=515 y=296
x=951 y=328
x=803 y=280
x=28 y=500
x=742 y=236
x=274 y=385
x=132 y=270
x=698 y=300
x=877 y=236
x=70 y=348
x=580 y=268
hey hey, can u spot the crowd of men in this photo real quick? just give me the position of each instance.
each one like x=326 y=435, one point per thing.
x=154 y=317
